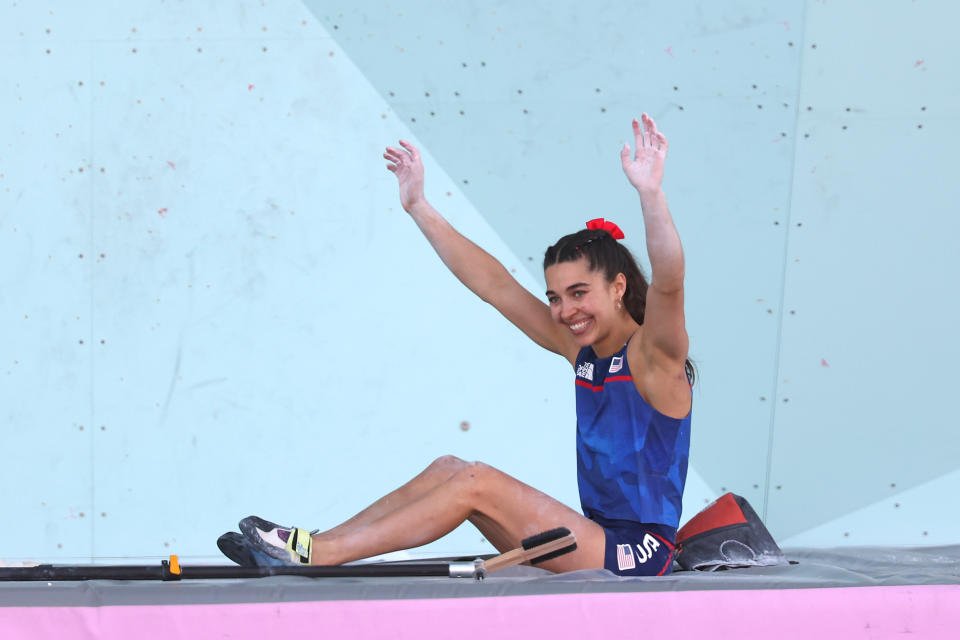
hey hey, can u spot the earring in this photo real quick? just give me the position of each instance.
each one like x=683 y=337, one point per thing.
x=619 y=304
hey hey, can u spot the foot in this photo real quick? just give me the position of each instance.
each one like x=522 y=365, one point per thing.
x=235 y=546
x=291 y=545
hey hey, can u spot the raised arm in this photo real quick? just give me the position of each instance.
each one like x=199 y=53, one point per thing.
x=665 y=339
x=473 y=266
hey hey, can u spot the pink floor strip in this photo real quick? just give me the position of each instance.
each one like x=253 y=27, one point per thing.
x=862 y=612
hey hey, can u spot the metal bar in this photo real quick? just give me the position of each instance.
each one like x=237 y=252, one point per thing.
x=213 y=572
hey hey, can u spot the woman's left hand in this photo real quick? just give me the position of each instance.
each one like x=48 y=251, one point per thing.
x=645 y=169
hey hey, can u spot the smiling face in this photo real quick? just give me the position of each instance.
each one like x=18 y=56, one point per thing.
x=586 y=304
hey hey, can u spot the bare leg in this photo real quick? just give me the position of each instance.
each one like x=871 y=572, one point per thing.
x=439 y=471
x=504 y=509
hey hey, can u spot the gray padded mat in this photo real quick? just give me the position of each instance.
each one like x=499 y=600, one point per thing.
x=814 y=568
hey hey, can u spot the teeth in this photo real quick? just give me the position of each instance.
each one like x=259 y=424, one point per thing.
x=580 y=325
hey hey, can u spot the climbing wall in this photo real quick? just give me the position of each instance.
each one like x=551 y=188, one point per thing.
x=213 y=304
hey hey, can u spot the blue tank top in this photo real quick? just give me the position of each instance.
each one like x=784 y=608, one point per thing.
x=631 y=459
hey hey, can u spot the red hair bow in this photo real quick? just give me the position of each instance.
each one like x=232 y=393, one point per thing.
x=607 y=225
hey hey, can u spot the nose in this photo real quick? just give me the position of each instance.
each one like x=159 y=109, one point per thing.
x=567 y=310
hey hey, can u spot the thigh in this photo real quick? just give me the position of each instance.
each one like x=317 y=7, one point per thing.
x=507 y=510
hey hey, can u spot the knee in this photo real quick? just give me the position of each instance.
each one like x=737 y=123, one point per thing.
x=447 y=464
x=476 y=478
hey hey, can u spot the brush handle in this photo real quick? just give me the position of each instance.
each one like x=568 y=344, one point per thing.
x=521 y=555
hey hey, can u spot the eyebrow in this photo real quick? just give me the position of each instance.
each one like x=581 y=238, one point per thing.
x=575 y=285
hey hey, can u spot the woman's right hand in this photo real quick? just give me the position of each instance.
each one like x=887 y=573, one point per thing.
x=406 y=164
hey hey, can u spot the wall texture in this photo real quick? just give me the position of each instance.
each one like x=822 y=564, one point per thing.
x=212 y=305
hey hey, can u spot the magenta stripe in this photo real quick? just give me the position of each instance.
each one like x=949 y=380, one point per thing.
x=927 y=611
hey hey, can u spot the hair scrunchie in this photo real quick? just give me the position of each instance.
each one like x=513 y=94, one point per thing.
x=606 y=225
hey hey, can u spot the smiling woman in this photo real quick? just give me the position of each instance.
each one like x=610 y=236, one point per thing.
x=627 y=342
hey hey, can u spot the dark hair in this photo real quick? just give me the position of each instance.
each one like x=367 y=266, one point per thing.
x=603 y=253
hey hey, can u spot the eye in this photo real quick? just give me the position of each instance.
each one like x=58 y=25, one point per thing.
x=579 y=294
x=553 y=299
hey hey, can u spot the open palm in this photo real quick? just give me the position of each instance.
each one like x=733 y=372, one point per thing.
x=644 y=168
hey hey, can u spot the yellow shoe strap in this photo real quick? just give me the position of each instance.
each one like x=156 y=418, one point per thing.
x=299 y=545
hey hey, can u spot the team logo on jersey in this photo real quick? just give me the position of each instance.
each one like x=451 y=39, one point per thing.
x=585 y=370
x=616 y=364
x=625 y=557
x=647 y=548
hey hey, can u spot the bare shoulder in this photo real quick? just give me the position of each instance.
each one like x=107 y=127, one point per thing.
x=660 y=378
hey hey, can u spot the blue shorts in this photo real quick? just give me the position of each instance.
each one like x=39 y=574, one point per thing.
x=634 y=549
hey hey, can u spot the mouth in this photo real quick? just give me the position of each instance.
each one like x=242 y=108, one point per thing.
x=580 y=326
